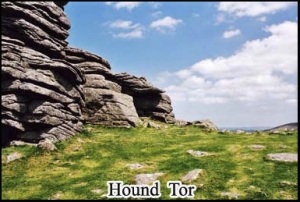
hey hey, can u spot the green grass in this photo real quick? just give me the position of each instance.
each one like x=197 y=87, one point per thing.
x=98 y=154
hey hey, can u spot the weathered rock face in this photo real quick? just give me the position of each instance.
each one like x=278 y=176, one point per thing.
x=105 y=104
x=148 y=100
x=49 y=89
x=112 y=93
x=205 y=124
x=107 y=107
x=42 y=95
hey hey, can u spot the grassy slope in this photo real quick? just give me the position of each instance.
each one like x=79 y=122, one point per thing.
x=99 y=154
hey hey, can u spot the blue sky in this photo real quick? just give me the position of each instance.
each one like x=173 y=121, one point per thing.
x=234 y=63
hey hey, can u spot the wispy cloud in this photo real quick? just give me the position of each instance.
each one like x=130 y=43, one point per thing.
x=155 y=5
x=123 y=24
x=136 y=30
x=231 y=33
x=240 y=9
x=156 y=14
x=257 y=72
x=165 y=24
x=127 y=5
x=137 y=33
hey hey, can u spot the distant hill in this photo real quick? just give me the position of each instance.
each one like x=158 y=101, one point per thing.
x=247 y=129
x=285 y=126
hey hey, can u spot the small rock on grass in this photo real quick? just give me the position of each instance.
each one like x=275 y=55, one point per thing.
x=197 y=153
x=287 y=184
x=150 y=124
x=46 y=144
x=13 y=156
x=56 y=196
x=135 y=166
x=191 y=175
x=283 y=157
x=146 y=179
x=21 y=143
x=230 y=194
x=255 y=146
x=97 y=191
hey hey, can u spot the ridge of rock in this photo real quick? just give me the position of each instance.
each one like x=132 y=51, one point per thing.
x=50 y=89
x=42 y=94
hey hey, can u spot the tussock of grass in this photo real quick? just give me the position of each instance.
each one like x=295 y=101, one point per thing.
x=98 y=154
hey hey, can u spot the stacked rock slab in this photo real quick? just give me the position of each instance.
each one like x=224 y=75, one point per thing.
x=41 y=94
x=105 y=103
x=109 y=96
x=49 y=89
x=148 y=100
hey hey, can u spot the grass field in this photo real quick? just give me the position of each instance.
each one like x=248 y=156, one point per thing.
x=80 y=167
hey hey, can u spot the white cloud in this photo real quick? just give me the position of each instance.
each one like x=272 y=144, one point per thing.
x=137 y=33
x=136 y=30
x=183 y=74
x=166 y=23
x=262 y=19
x=123 y=24
x=241 y=9
x=120 y=4
x=156 y=14
x=163 y=77
x=277 y=52
x=254 y=88
x=231 y=33
x=244 y=89
x=292 y=101
x=155 y=5
x=255 y=73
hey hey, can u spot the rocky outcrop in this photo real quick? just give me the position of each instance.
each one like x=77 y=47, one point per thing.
x=205 y=124
x=180 y=122
x=107 y=107
x=105 y=102
x=127 y=97
x=49 y=88
x=41 y=92
x=148 y=100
